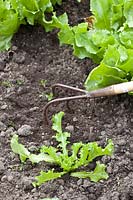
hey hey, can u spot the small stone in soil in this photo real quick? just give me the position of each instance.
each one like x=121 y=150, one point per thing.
x=75 y=119
x=70 y=128
x=27 y=182
x=10 y=178
x=19 y=58
x=4 y=107
x=4 y=178
x=25 y=130
x=2 y=64
x=4 y=117
x=2 y=126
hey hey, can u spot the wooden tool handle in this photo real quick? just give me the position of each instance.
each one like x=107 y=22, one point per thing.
x=112 y=90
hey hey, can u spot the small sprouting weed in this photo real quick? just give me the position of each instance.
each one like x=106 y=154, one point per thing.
x=49 y=96
x=6 y=84
x=43 y=82
x=19 y=82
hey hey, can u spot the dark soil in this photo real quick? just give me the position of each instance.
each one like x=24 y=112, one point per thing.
x=36 y=56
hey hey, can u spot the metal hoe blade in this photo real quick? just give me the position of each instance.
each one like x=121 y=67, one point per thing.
x=107 y=91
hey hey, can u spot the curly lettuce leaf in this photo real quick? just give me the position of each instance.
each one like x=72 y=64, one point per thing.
x=103 y=76
x=95 y=176
x=108 y=42
x=116 y=67
x=47 y=176
x=57 y=119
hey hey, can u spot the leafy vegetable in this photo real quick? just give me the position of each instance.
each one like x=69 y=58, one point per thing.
x=109 y=41
x=14 y=13
x=69 y=159
x=107 y=37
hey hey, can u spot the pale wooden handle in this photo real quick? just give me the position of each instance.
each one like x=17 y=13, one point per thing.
x=112 y=90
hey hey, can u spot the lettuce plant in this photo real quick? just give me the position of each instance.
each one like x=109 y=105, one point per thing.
x=107 y=39
x=13 y=13
x=68 y=158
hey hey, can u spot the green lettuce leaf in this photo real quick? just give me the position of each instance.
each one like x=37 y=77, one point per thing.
x=47 y=176
x=103 y=76
x=102 y=11
x=24 y=154
x=128 y=12
x=96 y=175
x=14 y=13
x=19 y=148
x=126 y=38
x=57 y=119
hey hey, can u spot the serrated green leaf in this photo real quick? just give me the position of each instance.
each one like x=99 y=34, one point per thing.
x=55 y=22
x=75 y=149
x=127 y=65
x=98 y=173
x=5 y=42
x=49 y=96
x=52 y=154
x=81 y=52
x=62 y=139
x=83 y=156
x=57 y=119
x=47 y=176
x=56 y=2
x=96 y=151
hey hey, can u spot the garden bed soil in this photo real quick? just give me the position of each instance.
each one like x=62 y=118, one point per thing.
x=35 y=56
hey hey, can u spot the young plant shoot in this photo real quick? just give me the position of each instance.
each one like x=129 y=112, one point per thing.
x=69 y=159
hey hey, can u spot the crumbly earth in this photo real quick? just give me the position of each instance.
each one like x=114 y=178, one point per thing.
x=36 y=56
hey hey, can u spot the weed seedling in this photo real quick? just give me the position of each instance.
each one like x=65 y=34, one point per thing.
x=43 y=82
